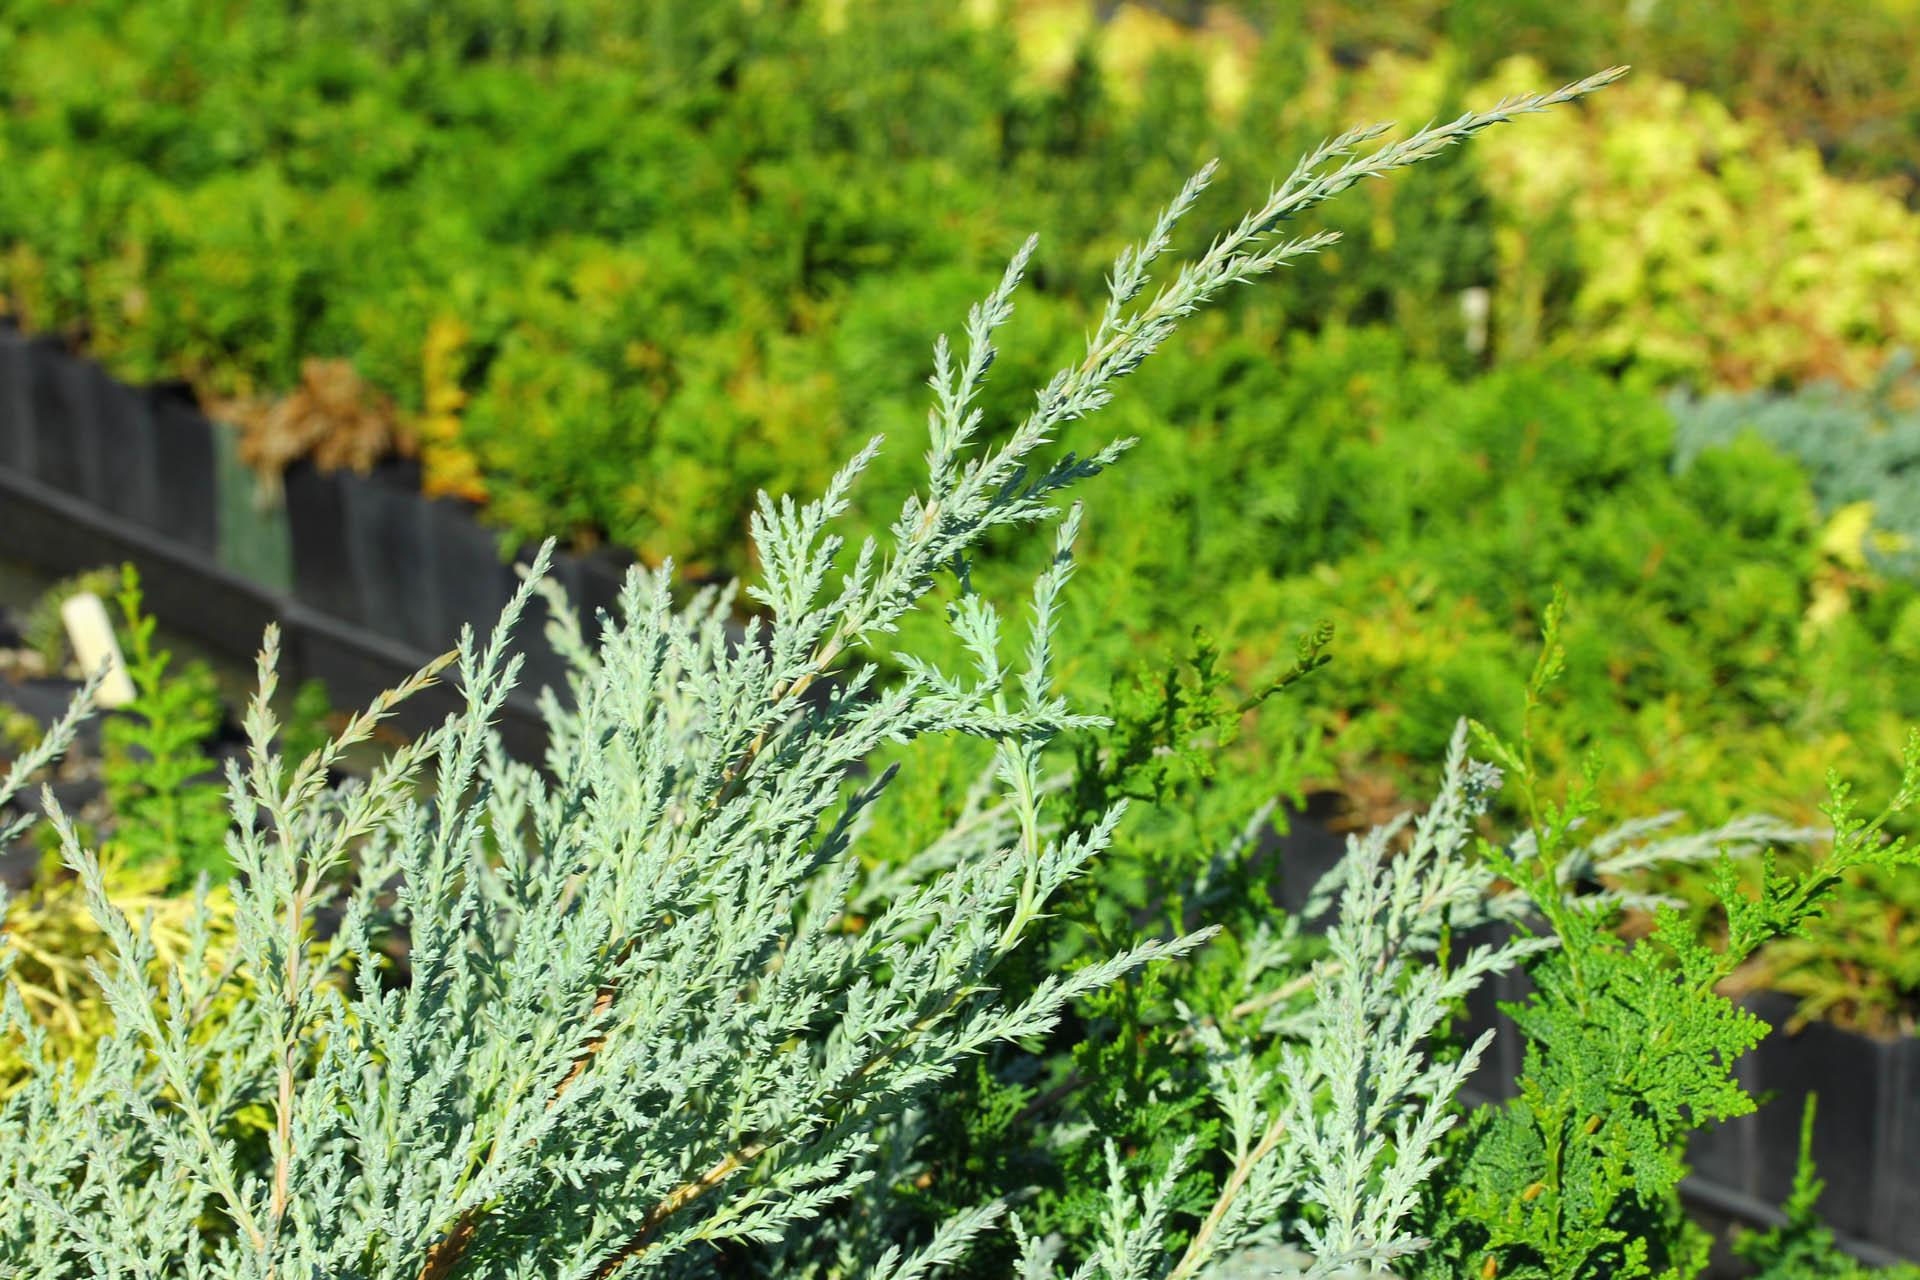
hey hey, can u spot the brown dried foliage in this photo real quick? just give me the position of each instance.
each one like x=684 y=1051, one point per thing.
x=333 y=418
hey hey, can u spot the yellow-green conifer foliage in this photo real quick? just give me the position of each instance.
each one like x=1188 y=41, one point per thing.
x=1710 y=249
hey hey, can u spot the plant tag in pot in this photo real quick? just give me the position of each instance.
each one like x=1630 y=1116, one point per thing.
x=94 y=645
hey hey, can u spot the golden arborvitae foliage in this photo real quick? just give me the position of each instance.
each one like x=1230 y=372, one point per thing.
x=1657 y=229
x=449 y=469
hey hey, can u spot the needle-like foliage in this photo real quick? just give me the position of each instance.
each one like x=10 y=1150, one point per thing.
x=612 y=1015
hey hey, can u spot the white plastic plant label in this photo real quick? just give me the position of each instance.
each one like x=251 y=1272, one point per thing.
x=91 y=634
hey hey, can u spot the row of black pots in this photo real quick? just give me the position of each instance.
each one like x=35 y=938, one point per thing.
x=144 y=456
x=372 y=552
x=366 y=577
x=1866 y=1137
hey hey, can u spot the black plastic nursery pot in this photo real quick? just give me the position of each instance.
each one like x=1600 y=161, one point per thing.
x=185 y=504
x=1866 y=1135
x=389 y=553
x=65 y=425
x=18 y=448
x=317 y=520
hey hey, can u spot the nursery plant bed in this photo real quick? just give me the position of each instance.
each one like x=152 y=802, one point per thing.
x=377 y=578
